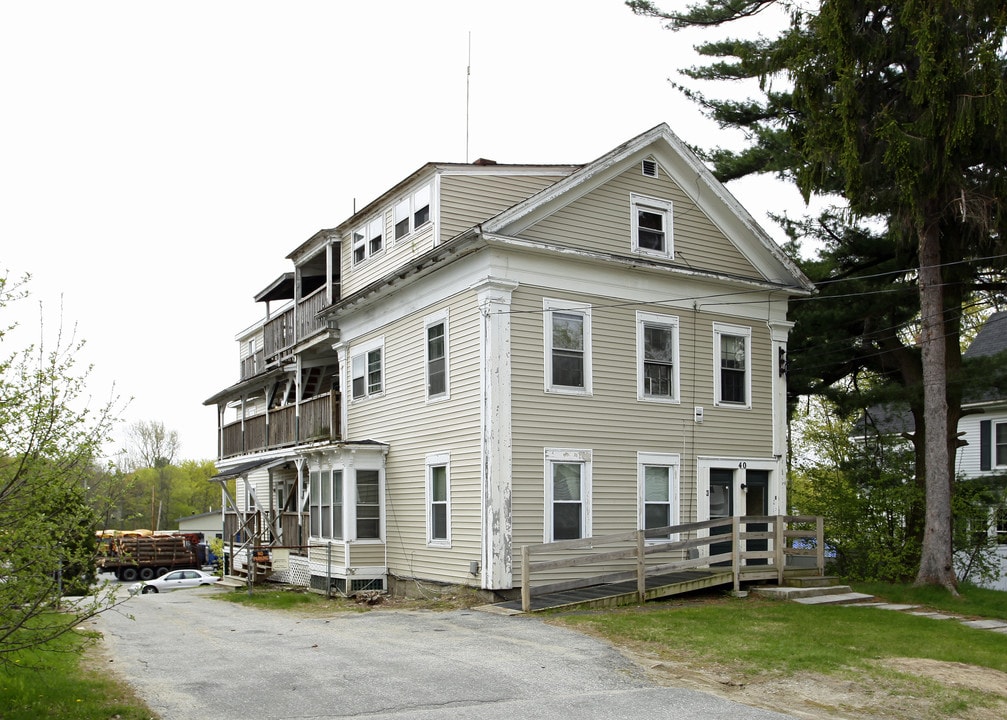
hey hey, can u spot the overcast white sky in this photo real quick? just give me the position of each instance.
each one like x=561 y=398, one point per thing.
x=159 y=160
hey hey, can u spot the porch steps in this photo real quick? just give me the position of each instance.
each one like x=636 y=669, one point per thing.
x=817 y=590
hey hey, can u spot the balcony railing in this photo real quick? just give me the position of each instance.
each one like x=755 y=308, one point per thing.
x=253 y=365
x=318 y=420
x=288 y=328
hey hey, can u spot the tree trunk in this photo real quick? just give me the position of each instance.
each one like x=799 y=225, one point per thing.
x=936 y=566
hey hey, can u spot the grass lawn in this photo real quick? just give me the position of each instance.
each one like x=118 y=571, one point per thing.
x=880 y=658
x=65 y=683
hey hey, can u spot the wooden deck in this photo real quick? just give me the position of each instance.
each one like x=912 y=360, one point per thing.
x=699 y=555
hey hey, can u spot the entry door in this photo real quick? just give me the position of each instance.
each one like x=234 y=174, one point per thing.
x=721 y=506
x=757 y=503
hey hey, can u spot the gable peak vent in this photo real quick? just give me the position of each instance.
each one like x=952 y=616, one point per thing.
x=650 y=167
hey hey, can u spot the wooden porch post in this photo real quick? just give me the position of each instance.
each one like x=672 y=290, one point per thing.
x=736 y=551
x=820 y=544
x=779 y=545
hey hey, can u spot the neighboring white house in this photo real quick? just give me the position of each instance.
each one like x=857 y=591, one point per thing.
x=491 y=355
x=984 y=430
x=210 y=524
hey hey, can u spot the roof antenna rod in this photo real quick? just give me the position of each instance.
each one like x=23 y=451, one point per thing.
x=468 y=75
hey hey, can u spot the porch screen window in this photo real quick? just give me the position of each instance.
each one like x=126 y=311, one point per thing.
x=337 y=504
x=315 y=488
x=326 y=504
x=368 y=505
x=436 y=360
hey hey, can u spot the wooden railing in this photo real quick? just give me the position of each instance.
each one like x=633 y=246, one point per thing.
x=253 y=365
x=319 y=420
x=289 y=327
x=774 y=536
x=293 y=533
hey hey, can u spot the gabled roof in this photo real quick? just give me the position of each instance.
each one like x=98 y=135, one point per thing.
x=692 y=176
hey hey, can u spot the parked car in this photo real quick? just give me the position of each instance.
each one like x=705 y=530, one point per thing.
x=175 y=580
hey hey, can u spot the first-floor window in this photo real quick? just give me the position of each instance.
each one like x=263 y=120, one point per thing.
x=368 y=507
x=1001 y=523
x=568 y=494
x=658 y=478
x=438 y=500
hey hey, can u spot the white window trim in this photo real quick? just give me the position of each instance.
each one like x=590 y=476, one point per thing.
x=363 y=349
x=994 y=426
x=670 y=460
x=720 y=329
x=549 y=306
x=670 y=321
x=657 y=205
x=428 y=322
x=440 y=459
x=350 y=506
x=567 y=455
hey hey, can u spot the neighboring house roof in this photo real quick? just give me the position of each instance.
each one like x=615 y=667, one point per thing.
x=212 y=513
x=992 y=337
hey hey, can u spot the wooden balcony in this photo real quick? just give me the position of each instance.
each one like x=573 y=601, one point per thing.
x=318 y=421
x=295 y=324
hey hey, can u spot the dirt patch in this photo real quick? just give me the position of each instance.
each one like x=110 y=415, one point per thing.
x=906 y=689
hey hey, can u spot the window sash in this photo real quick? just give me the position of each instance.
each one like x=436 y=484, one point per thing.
x=658 y=361
x=1000 y=444
x=650 y=229
x=567 y=500
x=436 y=360
x=438 y=502
x=733 y=362
x=368 y=505
x=568 y=349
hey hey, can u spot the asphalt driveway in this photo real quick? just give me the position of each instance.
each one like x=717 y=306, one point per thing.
x=195 y=658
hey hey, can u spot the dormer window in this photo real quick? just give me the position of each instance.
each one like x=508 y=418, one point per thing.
x=651 y=226
x=412 y=212
x=368 y=239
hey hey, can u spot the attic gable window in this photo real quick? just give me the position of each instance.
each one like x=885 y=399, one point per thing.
x=651 y=226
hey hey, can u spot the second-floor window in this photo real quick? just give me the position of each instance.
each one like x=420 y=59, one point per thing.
x=657 y=356
x=567 y=347
x=732 y=380
x=437 y=357
x=367 y=375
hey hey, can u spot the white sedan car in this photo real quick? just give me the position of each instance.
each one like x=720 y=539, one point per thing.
x=175 y=580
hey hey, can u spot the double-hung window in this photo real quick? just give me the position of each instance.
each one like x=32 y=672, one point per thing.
x=412 y=212
x=732 y=371
x=436 y=346
x=657 y=357
x=368 y=504
x=366 y=368
x=652 y=226
x=1000 y=442
x=568 y=494
x=567 y=347
x=658 y=491
x=368 y=239
x=438 y=500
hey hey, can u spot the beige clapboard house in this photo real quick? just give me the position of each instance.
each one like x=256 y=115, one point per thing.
x=489 y=356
